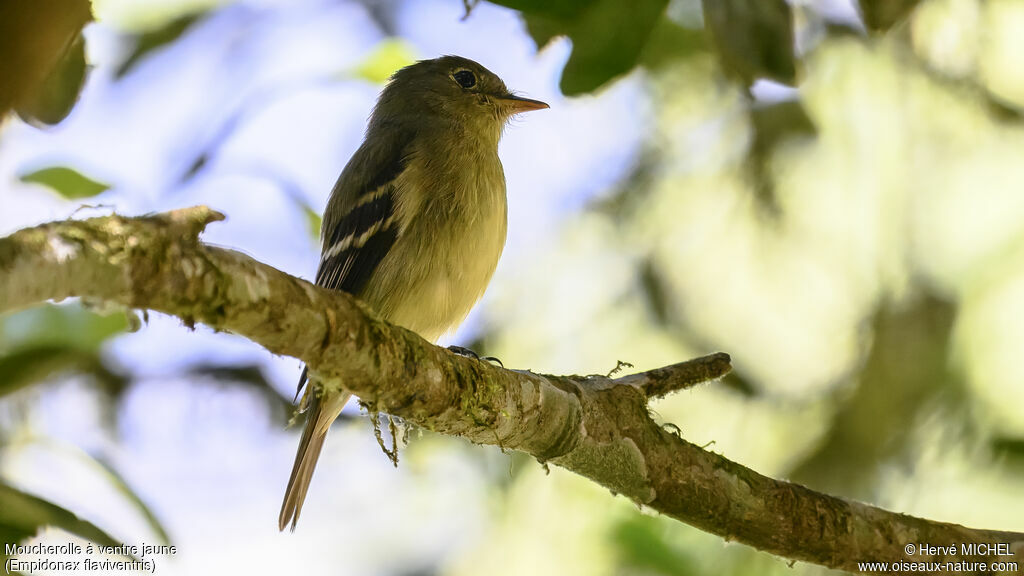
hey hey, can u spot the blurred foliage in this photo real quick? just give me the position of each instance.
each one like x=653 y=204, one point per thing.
x=754 y=38
x=152 y=40
x=42 y=57
x=669 y=42
x=1009 y=450
x=249 y=377
x=33 y=364
x=845 y=240
x=39 y=344
x=67 y=182
x=58 y=93
x=644 y=549
x=387 y=57
x=773 y=124
x=120 y=484
x=881 y=15
x=314 y=220
x=906 y=378
x=66 y=325
x=597 y=56
x=23 y=515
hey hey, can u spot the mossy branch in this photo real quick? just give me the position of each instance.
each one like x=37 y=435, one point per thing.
x=596 y=426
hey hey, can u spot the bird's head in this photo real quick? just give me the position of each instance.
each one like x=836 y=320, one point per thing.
x=453 y=89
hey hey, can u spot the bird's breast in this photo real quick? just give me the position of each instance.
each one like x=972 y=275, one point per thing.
x=445 y=256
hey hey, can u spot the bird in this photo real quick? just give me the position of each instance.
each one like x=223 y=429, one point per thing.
x=416 y=222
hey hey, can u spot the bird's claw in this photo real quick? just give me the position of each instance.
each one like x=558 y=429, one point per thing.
x=462 y=351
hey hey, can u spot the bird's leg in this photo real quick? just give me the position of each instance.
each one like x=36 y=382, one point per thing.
x=461 y=351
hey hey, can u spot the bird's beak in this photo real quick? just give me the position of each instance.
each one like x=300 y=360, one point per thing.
x=517 y=104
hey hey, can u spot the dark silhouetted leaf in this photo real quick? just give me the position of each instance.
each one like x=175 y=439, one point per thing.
x=196 y=167
x=607 y=35
x=670 y=42
x=607 y=41
x=155 y=39
x=248 y=373
x=67 y=182
x=773 y=123
x=1009 y=449
x=38 y=343
x=37 y=38
x=740 y=384
x=57 y=95
x=880 y=15
x=25 y=366
x=558 y=10
x=655 y=292
x=22 y=515
x=754 y=38
x=779 y=121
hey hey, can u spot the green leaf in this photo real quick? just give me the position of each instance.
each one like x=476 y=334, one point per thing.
x=155 y=39
x=607 y=42
x=24 y=367
x=67 y=182
x=40 y=342
x=386 y=58
x=22 y=515
x=313 y=221
x=562 y=10
x=43 y=58
x=68 y=325
x=669 y=42
x=754 y=38
x=58 y=93
x=642 y=545
x=607 y=36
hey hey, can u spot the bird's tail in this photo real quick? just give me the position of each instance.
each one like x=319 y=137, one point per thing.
x=322 y=412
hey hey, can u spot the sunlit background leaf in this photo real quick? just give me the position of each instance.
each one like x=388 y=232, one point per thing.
x=65 y=181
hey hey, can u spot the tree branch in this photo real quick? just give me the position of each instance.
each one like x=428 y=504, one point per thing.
x=595 y=426
x=660 y=382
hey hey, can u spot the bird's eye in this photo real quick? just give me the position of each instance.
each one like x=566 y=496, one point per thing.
x=465 y=78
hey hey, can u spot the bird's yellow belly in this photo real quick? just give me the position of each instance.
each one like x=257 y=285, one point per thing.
x=442 y=292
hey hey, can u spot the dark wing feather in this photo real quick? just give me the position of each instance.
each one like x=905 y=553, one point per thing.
x=361 y=208
x=357 y=245
x=359 y=225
